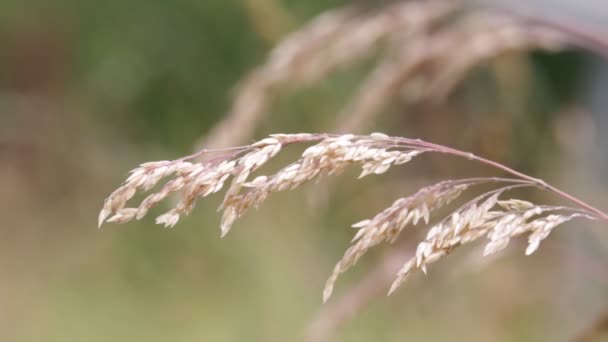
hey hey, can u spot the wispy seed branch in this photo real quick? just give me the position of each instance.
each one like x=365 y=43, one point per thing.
x=330 y=154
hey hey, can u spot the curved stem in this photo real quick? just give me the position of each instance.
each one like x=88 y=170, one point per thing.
x=431 y=147
x=578 y=34
x=444 y=149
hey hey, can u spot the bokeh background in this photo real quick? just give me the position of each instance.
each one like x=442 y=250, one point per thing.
x=90 y=89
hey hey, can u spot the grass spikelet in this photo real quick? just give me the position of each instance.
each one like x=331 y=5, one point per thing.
x=477 y=219
x=330 y=154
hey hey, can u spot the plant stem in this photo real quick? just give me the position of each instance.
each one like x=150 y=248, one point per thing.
x=541 y=183
x=431 y=147
x=579 y=34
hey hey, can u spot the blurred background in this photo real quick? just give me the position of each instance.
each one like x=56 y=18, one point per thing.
x=90 y=89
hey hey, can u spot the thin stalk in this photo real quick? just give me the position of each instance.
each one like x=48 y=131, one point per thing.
x=541 y=183
x=431 y=147
x=578 y=34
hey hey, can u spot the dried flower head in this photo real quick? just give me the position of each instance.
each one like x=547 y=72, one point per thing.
x=330 y=154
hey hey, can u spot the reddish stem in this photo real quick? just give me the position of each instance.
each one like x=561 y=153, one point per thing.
x=431 y=147
x=541 y=183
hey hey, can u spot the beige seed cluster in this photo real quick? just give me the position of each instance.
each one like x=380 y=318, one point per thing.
x=387 y=225
x=375 y=153
x=486 y=215
x=144 y=178
x=477 y=219
x=194 y=180
x=331 y=156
